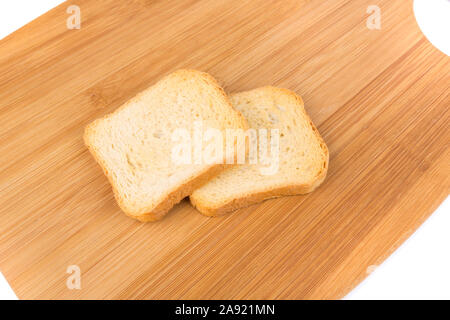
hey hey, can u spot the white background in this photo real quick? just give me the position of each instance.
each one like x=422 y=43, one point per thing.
x=420 y=268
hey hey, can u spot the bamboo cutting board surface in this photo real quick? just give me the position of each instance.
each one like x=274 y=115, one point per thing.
x=380 y=98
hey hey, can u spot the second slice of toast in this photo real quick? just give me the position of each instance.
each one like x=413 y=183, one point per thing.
x=302 y=156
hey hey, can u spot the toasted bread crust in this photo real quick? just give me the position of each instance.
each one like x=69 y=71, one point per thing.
x=243 y=202
x=176 y=196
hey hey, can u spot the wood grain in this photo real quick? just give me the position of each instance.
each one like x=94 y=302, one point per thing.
x=380 y=98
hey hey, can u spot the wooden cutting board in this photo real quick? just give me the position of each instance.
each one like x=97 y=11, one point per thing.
x=380 y=98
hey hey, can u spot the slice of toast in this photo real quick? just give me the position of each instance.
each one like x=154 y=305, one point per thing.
x=302 y=155
x=134 y=144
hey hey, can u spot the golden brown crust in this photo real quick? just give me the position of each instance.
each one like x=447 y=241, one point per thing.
x=176 y=196
x=249 y=200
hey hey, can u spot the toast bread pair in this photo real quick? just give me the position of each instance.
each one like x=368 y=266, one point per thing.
x=133 y=146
